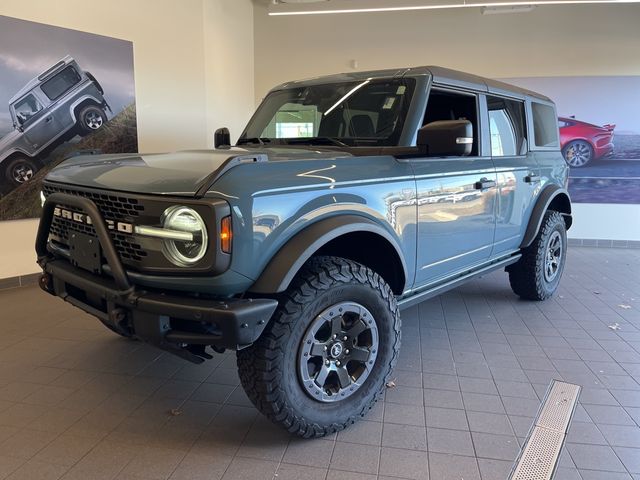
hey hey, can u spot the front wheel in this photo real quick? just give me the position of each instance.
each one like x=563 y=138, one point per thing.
x=20 y=170
x=537 y=274
x=327 y=353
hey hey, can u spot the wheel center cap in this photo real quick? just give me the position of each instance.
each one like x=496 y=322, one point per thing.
x=336 y=350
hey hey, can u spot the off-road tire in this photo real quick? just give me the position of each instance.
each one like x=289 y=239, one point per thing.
x=12 y=166
x=91 y=119
x=268 y=370
x=527 y=277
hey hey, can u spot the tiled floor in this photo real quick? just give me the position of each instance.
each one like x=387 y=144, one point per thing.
x=77 y=402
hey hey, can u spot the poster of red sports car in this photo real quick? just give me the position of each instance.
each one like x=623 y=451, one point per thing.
x=599 y=134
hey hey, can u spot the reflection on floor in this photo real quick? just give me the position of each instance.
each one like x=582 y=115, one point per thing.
x=77 y=402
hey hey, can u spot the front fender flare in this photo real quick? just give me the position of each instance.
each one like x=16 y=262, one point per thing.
x=548 y=195
x=281 y=269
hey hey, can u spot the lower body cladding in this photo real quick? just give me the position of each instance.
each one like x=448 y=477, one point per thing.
x=182 y=325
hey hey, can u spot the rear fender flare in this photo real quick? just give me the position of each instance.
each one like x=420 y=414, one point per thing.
x=551 y=194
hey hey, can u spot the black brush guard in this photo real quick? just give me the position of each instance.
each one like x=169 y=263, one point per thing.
x=150 y=316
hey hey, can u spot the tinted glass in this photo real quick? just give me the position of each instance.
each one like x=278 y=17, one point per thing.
x=545 y=125
x=446 y=105
x=507 y=126
x=27 y=108
x=61 y=83
x=367 y=113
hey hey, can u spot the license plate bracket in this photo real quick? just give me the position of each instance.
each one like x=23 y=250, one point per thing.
x=85 y=252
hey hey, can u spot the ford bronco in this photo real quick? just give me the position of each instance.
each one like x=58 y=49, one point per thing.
x=58 y=104
x=346 y=199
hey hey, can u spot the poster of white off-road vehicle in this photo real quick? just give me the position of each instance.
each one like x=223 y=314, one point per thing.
x=61 y=91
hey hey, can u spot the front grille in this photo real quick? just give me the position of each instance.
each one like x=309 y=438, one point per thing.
x=112 y=207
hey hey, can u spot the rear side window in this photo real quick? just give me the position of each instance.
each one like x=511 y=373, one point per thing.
x=507 y=127
x=61 y=83
x=545 y=125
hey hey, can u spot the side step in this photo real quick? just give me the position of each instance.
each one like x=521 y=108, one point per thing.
x=539 y=457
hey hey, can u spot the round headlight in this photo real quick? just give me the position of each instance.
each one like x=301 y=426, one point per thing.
x=185 y=252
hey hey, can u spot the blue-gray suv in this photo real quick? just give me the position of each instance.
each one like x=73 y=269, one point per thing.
x=346 y=199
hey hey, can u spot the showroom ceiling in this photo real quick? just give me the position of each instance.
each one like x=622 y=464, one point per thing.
x=310 y=7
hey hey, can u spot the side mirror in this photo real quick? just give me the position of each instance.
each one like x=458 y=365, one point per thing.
x=222 y=138
x=446 y=138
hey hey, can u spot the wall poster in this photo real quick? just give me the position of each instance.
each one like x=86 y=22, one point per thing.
x=599 y=134
x=61 y=91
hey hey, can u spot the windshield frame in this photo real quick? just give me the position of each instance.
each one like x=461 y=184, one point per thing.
x=398 y=136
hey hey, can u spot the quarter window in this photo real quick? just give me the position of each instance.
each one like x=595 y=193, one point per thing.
x=545 y=125
x=506 y=126
x=61 y=83
x=27 y=108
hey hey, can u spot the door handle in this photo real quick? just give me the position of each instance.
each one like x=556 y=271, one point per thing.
x=532 y=178
x=48 y=119
x=484 y=183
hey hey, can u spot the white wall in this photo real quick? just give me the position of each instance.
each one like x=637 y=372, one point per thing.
x=549 y=41
x=179 y=70
x=577 y=40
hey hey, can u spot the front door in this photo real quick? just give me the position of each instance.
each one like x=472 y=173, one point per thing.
x=39 y=125
x=456 y=197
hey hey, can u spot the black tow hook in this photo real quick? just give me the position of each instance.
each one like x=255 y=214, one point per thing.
x=46 y=283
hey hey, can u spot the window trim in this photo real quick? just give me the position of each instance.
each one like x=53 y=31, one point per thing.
x=53 y=99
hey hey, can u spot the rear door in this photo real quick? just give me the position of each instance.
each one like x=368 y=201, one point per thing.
x=456 y=195
x=518 y=174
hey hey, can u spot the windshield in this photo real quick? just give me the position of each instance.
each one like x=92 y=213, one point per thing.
x=361 y=113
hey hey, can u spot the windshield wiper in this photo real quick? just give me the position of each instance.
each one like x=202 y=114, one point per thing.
x=316 y=141
x=256 y=140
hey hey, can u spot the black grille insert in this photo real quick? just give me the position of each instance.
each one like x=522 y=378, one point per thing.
x=112 y=207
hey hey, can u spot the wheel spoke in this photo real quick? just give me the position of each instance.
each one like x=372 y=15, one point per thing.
x=336 y=325
x=343 y=377
x=356 y=329
x=321 y=377
x=359 y=354
x=317 y=350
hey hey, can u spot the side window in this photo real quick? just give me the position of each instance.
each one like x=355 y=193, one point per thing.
x=445 y=105
x=545 y=125
x=506 y=126
x=26 y=108
x=61 y=83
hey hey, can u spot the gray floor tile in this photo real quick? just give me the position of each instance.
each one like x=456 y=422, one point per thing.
x=444 y=466
x=449 y=441
x=595 y=457
x=404 y=463
x=352 y=457
x=496 y=447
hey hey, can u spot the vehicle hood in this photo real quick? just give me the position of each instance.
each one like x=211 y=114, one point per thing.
x=187 y=173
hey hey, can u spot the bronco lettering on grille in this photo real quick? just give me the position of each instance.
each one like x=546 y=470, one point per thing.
x=84 y=219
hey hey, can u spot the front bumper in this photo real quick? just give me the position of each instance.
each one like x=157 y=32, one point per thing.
x=181 y=324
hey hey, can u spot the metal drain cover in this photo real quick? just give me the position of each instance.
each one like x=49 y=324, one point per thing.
x=539 y=457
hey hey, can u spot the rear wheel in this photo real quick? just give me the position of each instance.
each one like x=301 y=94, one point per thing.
x=20 y=170
x=537 y=274
x=91 y=118
x=324 y=359
x=578 y=153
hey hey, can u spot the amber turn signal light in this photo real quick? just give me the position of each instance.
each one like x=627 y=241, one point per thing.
x=225 y=234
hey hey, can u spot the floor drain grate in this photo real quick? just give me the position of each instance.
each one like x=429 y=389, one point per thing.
x=539 y=457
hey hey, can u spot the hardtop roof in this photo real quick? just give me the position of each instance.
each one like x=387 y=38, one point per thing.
x=439 y=75
x=34 y=82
